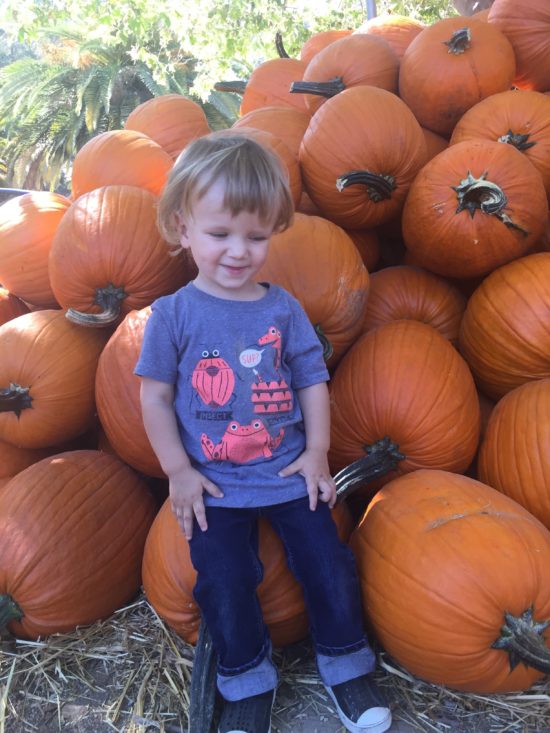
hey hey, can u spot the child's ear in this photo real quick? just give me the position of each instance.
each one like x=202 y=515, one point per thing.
x=181 y=228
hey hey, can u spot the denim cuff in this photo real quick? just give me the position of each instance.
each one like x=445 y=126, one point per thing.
x=251 y=679
x=336 y=669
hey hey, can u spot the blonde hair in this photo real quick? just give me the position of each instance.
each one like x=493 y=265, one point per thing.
x=254 y=178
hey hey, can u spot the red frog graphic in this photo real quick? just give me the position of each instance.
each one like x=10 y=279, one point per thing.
x=242 y=443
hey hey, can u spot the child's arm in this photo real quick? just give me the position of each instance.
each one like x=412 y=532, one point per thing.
x=313 y=462
x=186 y=483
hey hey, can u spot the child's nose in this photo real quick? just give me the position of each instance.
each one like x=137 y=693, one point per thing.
x=238 y=247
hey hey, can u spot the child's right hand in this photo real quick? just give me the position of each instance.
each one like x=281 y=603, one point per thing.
x=186 y=490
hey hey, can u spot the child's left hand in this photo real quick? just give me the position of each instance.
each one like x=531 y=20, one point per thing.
x=313 y=466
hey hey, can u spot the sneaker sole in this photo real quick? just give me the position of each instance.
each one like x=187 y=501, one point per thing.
x=379 y=727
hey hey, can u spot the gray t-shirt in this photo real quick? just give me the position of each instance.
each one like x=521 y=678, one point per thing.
x=236 y=366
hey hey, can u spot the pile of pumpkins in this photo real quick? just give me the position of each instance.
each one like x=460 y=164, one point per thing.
x=419 y=162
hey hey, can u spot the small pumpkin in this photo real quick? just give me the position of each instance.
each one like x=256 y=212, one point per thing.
x=397 y=30
x=318 y=41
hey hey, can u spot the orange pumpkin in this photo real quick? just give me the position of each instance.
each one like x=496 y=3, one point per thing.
x=368 y=244
x=435 y=144
x=473 y=207
x=120 y=157
x=269 y=85
x=455 y=579
x=27 y=226
x=317 y=262
x=47 y=374
x=14 y=459
x=450 y=66
x=171 y=120
x=107 y=258
x=73 y=530
x=10 y=306
x=397 y=30
x=318 y=41
x=286 y=123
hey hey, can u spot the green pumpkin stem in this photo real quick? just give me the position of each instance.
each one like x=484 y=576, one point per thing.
x=280 y=46
x=379 y=186
x=329 y=88
x=236 y=86
x=327 y=346
x=519 y=141
x=479 y=193
x=459 y=42
x=15 y=398
x=9 y=610
x=523 y=638
x=109 y=298
x=381 y=457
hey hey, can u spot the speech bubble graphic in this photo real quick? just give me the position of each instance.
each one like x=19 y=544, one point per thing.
x=250 y=357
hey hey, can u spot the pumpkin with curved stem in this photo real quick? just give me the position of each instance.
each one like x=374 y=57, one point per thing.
x=359 y=156
x=450 y=66
x=474 y=207
x=10 y=306
x=27 y=226
x=47 y=374
x=317 y=262
x=169 y=578
x=513 y=456
x=518 y=118
x=405 y=381
x=504 y=332
x=117 y=395
x=527 y=26
x=120 y=157
x=171 y=120
x=348 y=62
x=412 y=293
x=269 y=85
x=318 y=41
x=73 y=530
x=397 y=30
x=455 y=579
x=107 y=258
x=286 y=123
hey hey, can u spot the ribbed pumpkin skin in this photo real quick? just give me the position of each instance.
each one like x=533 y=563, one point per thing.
x=440 y=86
x=412 y=293
x=504 y=334
x=318 y=263
x=356 y=59
x=450 y=241
x=362 y=128
x=523 y=113
x=368 y=244
x=14 y=459
x=120 y=157
x=110 y=236
x=404 y=380
x=269 y=85
x=527 y=26
x=435 y=144
x=117 y=395
x=286 y=123
x=27 y=226
x=397 y=30
x=171 y=120
x=514 y=456
x=73 y=530
x=169 y=578
x=441 y=558
x=57 y=361
x=318 y=41
x=10 y=306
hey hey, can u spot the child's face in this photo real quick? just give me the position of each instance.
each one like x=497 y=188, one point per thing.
x=228 y=250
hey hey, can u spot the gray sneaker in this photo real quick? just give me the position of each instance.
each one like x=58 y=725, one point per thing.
x=360 y=705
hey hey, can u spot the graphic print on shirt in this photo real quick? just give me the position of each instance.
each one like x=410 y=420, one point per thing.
x=213 y=379
x=242 y=443
x=271 y=395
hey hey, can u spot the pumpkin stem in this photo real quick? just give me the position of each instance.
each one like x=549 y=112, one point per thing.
x=280 y=46
x=478 y=193
x=517 y=140
x=459 y=42
x=382 y=456
x=329 y=88
x=237 y=86
x=109 y=298
x=9 y=610
x=15 y=399
x=378 y=185
x=523 y=639
x=327 y=346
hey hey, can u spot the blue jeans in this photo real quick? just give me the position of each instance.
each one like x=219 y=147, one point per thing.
x=229 y=571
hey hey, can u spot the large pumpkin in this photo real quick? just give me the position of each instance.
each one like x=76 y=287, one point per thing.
x=47 y=374
x=318 y=263
x=359 y=156
x=397 y=30
x=450 y=66
x=318 y=41
x=504 y=334
x=286 y=123
x=473 y=207
x=27 y=226
x=108 y=257
x=455 y=579
x=269 y=85
x=73 y=529
x=169 y=578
